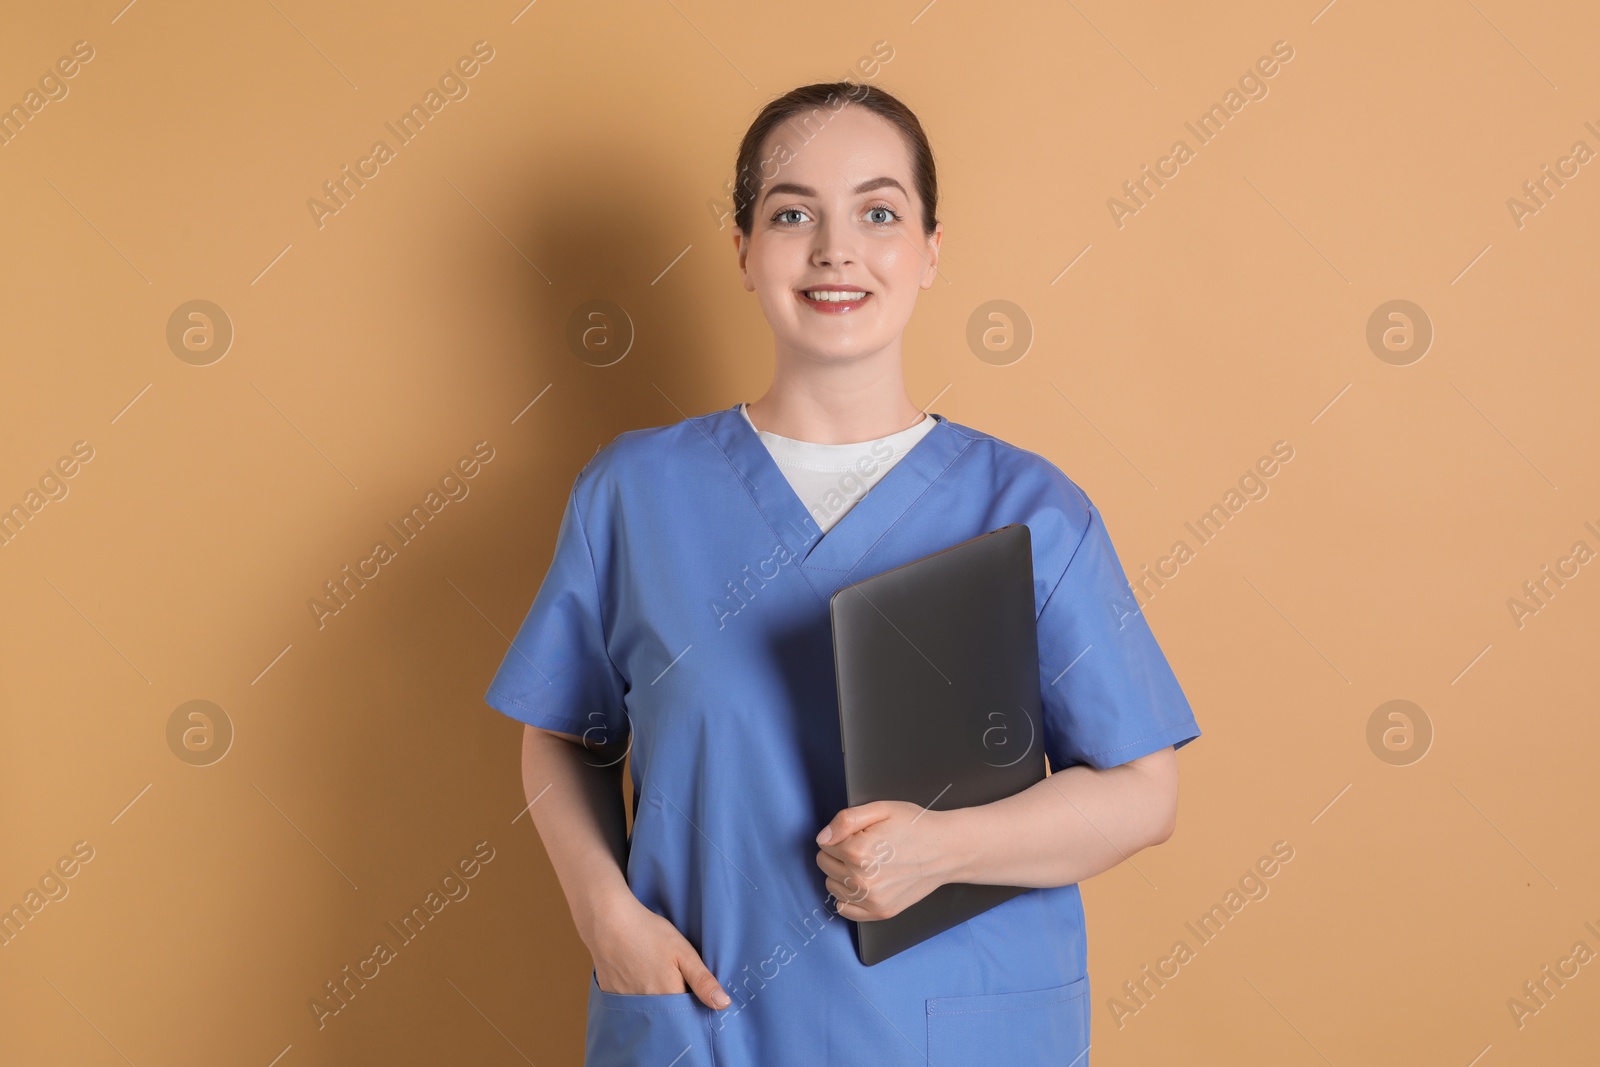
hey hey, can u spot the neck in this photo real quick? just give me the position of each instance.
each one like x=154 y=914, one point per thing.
x=836 y=403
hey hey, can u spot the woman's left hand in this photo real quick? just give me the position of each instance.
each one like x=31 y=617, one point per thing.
x=882 y=857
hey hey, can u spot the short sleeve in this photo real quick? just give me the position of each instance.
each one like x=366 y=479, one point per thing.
x=557 y=673
x=1109 y=695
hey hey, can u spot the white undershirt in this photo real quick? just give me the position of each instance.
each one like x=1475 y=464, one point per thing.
x=830 y=479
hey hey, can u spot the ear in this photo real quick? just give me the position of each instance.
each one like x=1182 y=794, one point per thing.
x=741 y=248
x=931 y=255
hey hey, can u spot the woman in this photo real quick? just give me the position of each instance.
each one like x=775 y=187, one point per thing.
x=684 y=619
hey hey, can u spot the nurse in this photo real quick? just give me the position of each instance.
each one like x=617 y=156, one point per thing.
x=683 y=623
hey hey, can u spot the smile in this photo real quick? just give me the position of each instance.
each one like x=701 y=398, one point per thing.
x=833 y=301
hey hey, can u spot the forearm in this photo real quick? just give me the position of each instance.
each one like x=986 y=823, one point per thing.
x=1071 y=826
x=579 y=816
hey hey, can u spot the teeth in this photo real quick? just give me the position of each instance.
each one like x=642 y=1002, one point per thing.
x=835 y=297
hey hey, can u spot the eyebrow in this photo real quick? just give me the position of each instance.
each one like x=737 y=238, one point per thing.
x=806 y=190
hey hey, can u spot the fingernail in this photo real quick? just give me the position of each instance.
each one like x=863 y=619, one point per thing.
x=721 y=999
x=825 y=836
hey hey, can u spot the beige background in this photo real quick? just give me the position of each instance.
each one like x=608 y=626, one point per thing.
x=587 y=162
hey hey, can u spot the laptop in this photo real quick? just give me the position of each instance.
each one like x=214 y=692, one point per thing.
x=938 y=673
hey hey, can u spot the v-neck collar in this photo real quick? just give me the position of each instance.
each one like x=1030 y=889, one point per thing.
x=828 y=558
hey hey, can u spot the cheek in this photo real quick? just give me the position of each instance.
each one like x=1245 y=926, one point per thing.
x=775 y=264
x=898 y=263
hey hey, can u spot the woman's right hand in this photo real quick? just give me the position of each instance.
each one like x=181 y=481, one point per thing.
x=637 y=951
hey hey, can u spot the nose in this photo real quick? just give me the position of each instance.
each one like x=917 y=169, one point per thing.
x=834 y=243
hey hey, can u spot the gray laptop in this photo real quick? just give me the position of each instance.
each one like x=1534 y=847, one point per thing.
x=938 y=672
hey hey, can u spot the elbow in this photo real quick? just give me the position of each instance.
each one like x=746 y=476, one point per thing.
x=1160 y=794
x=1166 y=821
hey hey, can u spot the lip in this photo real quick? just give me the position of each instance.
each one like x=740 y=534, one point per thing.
x=839 y=307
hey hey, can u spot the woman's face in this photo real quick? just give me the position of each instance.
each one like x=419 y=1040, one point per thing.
x=841 y=213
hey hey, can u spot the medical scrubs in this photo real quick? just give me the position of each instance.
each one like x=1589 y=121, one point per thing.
x=685 y=612
x=830 y=478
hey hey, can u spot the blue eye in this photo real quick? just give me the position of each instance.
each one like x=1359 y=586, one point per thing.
x=893 y=218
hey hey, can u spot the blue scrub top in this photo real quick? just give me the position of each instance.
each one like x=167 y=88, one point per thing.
x=686 y=611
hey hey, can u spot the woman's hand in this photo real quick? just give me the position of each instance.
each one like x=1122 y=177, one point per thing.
x=880 y=858
x=637 y=951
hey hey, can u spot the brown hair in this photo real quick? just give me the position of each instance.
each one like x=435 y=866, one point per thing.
x=832 y=96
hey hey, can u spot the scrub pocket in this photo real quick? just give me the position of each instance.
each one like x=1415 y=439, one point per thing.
x=1037 y=1026
x=628 y=1029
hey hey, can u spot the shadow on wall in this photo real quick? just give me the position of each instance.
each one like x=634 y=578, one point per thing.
x=376 y=724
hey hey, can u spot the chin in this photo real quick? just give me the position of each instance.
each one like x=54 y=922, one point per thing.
x=841 y=353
